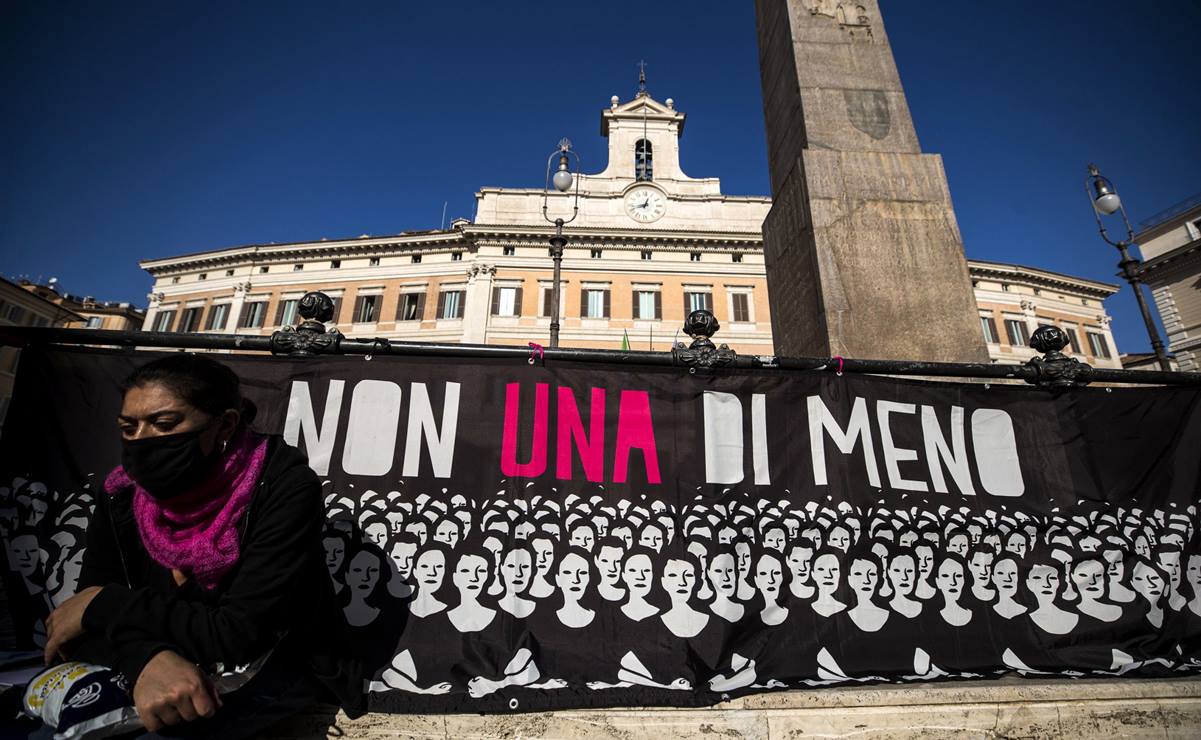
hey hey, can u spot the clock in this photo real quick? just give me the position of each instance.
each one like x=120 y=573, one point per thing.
x=645 y=204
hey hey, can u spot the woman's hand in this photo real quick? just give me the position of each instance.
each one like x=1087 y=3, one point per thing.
x=66 y=622
x=171 y=690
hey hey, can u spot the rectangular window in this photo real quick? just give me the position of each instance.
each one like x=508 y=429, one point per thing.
x=253 y=314
x=14 y=314
x=742 y=306
x=263 y=269
x=373 y=261
x=1098 y=345
x=648 y=305
x=1019 y=335
x=335 y=264
x=596 y=254
x=989 y=327
x=450 y=304
x=416 y=260
x=285 y=315
x=203 y=276
x=217 y=317
x=95 y=322
x=163 y=321
x=694 y=256
x=506 y=301
x=175 y=280
x=508 y=251
x=411 y=307
x=736 y=257
x=229 y=273
x=594 y=303
x=190 y=320
x=366 y=309
x=456 y=256
x=646 y=254
x=697 y=301
x=297 y=268
x=1073 y=338
x=547 y=299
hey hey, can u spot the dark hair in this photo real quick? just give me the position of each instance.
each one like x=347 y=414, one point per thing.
x=201 y=382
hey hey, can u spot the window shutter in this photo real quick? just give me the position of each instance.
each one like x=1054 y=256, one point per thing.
x=419 y=314
x=687 y=306
x=708 y=301
x=583 y=303
x=635 y=311
x=358 y=309
x=400 y=306
x=279 y=312
x=337 y=317
x=547 y=297
x=658 y=305
x=495 y=300
x=441 y=304
x=517 y=303
x=606 y=304
x=462 y=304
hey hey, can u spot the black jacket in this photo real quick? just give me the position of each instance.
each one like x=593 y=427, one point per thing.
x=278 y=593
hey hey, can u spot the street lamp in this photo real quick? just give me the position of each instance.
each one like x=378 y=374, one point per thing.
x=562 y=181
x=1104 y=197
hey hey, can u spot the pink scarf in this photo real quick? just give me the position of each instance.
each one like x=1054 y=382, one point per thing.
x=196 y=533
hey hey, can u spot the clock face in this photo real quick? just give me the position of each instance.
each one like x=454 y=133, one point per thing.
x=645 y=204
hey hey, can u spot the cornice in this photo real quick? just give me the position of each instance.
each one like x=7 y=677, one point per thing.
x=1041 y=278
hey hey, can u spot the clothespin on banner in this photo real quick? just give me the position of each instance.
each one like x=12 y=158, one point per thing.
x=838 y=370
x=536 y=352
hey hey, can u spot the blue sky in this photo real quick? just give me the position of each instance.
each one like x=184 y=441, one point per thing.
x=144 y=129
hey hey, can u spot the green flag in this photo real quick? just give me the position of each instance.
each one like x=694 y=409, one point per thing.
x=625 y=341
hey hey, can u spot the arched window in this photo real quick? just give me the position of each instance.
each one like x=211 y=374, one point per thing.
x=643 y=160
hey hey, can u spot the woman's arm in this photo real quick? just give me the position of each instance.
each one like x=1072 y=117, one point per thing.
x=261 y=602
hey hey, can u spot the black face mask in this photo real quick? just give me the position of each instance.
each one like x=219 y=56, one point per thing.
x=167 y=466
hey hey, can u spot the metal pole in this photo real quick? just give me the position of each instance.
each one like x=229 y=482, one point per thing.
x=1129 y=267
x=557 y=242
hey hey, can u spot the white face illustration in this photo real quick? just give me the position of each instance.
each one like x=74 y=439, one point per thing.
x=1147 y=582
x=652 y=537
x=601 y=523
x=1193 y=573
x=981 y=565
x=726 y=535
x=902 y=574
x=907 y=538
x=743 y=551
x=925 y=560
x=418 y=530
x=1170 y=562
x=471 y=574
x=769 y=574
x=722 y=575
x=826 y=573
x=637 y=574
x=335 y=551
x=1005 y=577
x=840 y=537
x=774 y=539
x=1016 y=544
x=625 y=535
x=950 y=579
x=517 y=569
x=363 y=573
x=863 y=576
x=1043 y=582
x=608 y=562
x=582 y=537
x=572 y=576
x=376 y=533
x=431 y=568
x=447 y=532
x=799 y=561
x=958 y=545
x=25 y=554
x=645 y=204
x=402 y=555
x=1089 y=579
x=678 y=580
x=544 y=551
x=1117 y=564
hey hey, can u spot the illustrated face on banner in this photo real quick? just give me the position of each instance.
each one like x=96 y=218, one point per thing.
x=1043 y=582
x=402 y=554
x=1169 y=561
x=1192 y=574
x=769 y=574
x=1016 y=544
x=958 y=544
x=826 y=574
x=1148 y=582
x=743 y=552
x=651 y=537
x=799 y=560
x=679 y=580
x=376 y=533
x=582 y=537
x=608 y=562
x=363 y=573
x=516 y=570
x=431 y=569
x=544 y=552
x=1088 y=577
x=1005 y=577
x=636 y=574
x=722 y=575
x=1116 y=560
x=902 y=574
x=25 y=554
x=726 y=535
x=625 y=534
x=572 y=576
x=863 y=577
x=981 y=565
x=418 y=529
x=447 y=532
x=470 y=576
x=774 y=539
x=950 y=579
x=925 y=561
x=840 y=537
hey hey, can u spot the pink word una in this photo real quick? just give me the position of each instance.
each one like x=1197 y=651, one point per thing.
x=635 y=431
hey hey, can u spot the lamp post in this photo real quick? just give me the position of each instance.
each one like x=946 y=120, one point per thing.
x=1104 y=197
x=562 y=181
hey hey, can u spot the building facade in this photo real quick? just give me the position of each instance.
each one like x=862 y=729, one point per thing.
x=94 y=314
x=648 y=245
x=1170 y=243
x=21 y=307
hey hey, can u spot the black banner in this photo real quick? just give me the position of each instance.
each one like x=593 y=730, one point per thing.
x=518 y=537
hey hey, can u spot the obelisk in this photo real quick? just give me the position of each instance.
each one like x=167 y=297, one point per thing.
x=864 y=257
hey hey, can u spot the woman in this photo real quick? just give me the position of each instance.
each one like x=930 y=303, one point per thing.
x=470 y=577
x=573 y=573
x=1044 y=584
x=722 y=575
x=925 y=569
x=1115 y=557
x=637 y=575
x=516 y=574
x=364 y=581
x=867 y=640
x=679 y=582
x=769 y=581
x=205 y=548
x=827 y=579
x=955 y=637
x=1005 y=580
x=800 y=561
x=902 y=576
x=429 y=574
